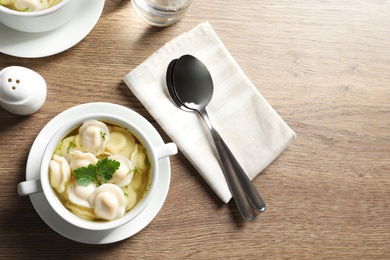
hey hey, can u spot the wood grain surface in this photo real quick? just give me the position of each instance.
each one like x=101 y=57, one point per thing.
x=325 y=68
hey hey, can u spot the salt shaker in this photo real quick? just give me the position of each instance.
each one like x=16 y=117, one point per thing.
x=22 y=90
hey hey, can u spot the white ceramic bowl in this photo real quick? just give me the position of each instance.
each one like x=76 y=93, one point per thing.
x=43 y=184
x=40 y=21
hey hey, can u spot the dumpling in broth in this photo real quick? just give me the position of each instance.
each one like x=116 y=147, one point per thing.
x=121 y=142
x=79 y=159
x=94 y=136
x=108 y=201
x=82 y=212
x=79 y=195
x=131 y=196
x=124 y=174
x=59 y=173
x=67 y=147
x=7 y=2
x=138 y=158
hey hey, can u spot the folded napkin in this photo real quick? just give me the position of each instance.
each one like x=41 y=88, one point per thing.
x=254 y=132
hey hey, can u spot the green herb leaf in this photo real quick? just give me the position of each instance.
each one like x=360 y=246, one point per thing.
x=86 y=175
x=107 y=168
x=102 y=172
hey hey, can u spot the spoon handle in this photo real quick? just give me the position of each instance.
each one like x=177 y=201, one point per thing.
x=232 y=179
x=250 y=190
x=229 y=171
x=235 y=169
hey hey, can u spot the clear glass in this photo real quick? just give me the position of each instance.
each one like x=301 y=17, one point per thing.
x=161 y=12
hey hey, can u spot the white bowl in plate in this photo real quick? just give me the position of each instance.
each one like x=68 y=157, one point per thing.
x=43 y=183
x=40 y=21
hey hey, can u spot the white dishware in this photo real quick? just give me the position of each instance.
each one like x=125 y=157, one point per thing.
x=22 y=90
x=62 y=227
x=42 y=183
x=39 y=21
x=37 y=45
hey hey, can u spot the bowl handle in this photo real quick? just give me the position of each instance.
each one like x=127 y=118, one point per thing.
x=165 y=150
x=29 y=187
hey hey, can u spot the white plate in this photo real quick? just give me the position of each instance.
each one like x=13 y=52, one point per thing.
x=65 y=229
x=36 y=45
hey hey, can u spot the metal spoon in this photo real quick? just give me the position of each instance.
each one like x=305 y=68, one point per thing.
x=249 y=189
x=199 y=86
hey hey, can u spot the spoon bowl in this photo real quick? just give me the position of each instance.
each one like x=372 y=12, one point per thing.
x=171 y=91
x=192 y=83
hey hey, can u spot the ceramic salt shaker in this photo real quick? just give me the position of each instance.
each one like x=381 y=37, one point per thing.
x=22 y=90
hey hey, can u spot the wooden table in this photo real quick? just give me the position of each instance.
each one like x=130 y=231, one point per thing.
x=325 y=68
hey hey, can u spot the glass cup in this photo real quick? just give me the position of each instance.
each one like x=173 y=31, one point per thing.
x=161 y=12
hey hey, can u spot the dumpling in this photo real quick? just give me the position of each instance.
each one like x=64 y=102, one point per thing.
x=67 y=147
x=124 y=174
x=6 y=2
x=79 y=159
x=31 y=5
x=94 y=136
x=139 y=159
x=59 y=172
x=85 y=213
x=121 y=142
x=131 y=197
x=108 y=201
x=79 y=195
x=137 y=181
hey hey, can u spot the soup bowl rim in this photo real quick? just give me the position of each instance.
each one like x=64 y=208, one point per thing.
x=47 y=11
x=57 y=205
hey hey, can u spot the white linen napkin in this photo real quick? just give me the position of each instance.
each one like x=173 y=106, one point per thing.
x=251 y=128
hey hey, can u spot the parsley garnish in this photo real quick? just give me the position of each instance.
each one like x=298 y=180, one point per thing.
x=135 y=170
x=71 y=145
x=102 y=172
x=103 y=135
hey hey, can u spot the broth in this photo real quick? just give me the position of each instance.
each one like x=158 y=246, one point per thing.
x=77 y=152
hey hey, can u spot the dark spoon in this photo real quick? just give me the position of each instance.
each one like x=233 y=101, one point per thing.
x=171 y=91
x=194 y=76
